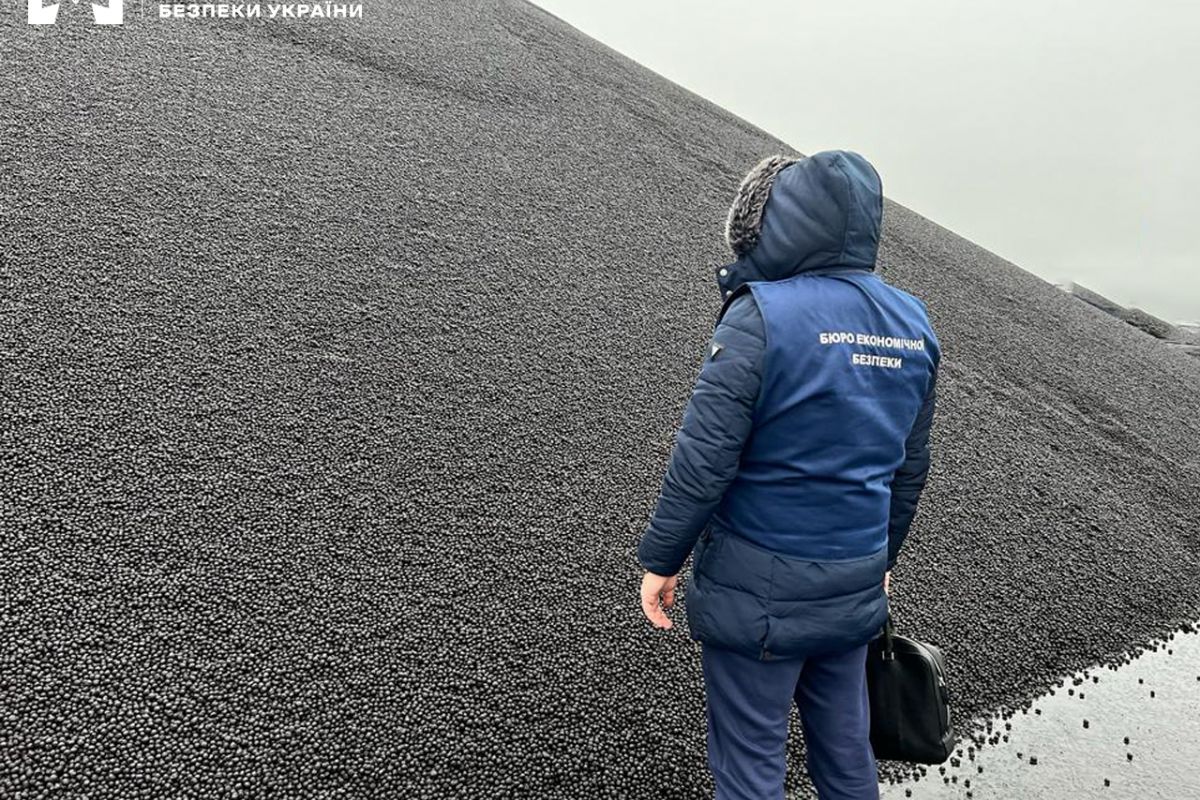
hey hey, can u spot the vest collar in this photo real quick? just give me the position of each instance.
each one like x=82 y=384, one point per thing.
x=726 y=278
x=731 y=277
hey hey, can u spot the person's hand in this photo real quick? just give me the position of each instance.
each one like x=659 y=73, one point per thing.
x=887 y=582
x=654 y=589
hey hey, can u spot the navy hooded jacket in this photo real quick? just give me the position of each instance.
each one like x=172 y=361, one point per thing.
x=805 y=446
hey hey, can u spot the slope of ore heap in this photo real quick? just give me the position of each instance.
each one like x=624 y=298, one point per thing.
x=341 y=363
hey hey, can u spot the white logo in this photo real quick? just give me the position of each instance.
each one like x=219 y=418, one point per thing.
x=112 y=14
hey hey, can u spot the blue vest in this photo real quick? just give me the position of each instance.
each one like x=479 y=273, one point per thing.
x=793 y=561
x=847 y=366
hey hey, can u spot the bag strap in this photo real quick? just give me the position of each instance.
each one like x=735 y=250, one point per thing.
x=889 y=645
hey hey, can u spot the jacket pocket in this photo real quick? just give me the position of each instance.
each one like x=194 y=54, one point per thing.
x=698 y=598
x=704 y=550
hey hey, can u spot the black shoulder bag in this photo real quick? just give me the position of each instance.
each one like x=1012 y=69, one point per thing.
x=910 y=702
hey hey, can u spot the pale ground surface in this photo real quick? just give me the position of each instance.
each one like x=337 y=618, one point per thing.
x=1073 y=761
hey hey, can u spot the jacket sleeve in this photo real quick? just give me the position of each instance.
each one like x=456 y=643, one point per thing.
x=909 y=480
x=708 y=446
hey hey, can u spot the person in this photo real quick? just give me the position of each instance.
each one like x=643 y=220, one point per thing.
x=795 y=476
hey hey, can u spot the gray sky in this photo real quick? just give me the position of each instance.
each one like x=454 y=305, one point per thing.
x=1061 y=135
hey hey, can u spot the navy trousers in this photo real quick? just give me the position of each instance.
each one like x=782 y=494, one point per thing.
x=749 y=702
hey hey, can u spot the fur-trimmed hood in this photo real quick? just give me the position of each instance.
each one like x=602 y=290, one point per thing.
x=796 y=215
